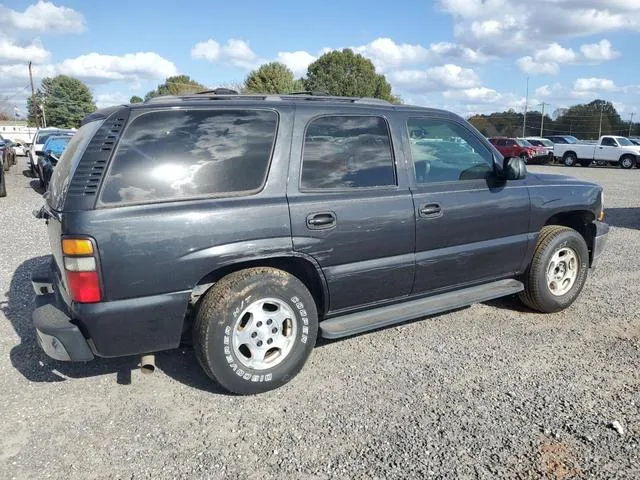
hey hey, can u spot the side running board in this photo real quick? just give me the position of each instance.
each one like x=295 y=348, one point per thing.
x=354 y=323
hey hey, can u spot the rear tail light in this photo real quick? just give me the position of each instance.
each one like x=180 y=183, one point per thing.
x=81 y=268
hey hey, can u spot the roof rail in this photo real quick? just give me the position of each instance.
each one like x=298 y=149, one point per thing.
x=295 y=96
x=309 y=93
x=218 y=91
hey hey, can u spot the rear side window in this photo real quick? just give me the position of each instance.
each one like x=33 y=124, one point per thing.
x=345 y=152
x=180 y=154
x=67 y=163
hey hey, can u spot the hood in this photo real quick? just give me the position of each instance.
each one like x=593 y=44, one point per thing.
x=554 y=179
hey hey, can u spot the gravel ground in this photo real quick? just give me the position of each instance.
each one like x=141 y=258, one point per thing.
x=484 y=392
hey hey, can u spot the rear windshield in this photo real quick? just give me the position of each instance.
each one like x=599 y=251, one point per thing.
x=42 y=137
x=56 y=145
x=179 y=154
x=68 y=161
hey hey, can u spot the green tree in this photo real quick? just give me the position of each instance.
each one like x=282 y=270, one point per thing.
x=63 y=102
x=272 y=77
x=348 y=74
x=583 y=121
x=177 y=85
x=136 y=99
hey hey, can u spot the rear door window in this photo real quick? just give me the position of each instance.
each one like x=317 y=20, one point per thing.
x=180 y=154
x=346 y=152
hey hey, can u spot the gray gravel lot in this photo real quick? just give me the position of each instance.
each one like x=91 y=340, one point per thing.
x=489 y=391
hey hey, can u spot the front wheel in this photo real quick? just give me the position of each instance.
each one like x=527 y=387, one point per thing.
x=255 y=330
x=558 y=270
x=3 y=185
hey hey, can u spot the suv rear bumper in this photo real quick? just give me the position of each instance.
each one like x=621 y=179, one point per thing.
x=117 y=328
x=57 y=336
x=599 y=241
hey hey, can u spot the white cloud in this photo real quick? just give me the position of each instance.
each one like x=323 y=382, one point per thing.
x=44 y=17
x=235 y=52
x=111 y=98
x=594 y=85
x=546 y=60
x=11 y=52
x=504 y=26
x=297 y=61
x=445 y=77
x=386 y=54
x=98 y=68
x=600 y=51
x=532 y=67
x=476 y=94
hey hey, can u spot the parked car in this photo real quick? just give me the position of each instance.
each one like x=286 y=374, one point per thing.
x=564 y=139
x=53 y=148
x=544 y=143
x=8 y=154
x=635 y=141
x=3 y=184
x=609 y=150
x=39 y=140
x=519 y=147
x=255 y=223
x=20 y=149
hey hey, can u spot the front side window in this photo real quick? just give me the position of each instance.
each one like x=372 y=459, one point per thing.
x=447 y=152
x=345 y=152
x=179 y=154
x=609 y=142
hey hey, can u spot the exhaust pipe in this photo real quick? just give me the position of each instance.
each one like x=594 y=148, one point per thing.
x=148 y=364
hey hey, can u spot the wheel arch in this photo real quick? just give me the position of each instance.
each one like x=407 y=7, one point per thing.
x=305 y=268
x=634 y=158
x=570 y=152
x=579 y=220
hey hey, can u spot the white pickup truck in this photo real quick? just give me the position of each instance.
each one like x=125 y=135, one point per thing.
x=609 y=150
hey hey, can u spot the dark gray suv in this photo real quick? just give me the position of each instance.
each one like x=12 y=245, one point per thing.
x=255 y=223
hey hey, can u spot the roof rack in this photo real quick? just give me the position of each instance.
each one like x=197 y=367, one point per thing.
x=221 y=94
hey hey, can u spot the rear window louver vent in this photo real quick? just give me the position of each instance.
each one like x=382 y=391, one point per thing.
x=93 y=164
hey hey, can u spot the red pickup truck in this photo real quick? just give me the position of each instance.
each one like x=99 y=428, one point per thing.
x=519 y=147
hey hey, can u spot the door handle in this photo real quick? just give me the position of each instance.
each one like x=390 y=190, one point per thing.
x=321 y=220
x=430 y=210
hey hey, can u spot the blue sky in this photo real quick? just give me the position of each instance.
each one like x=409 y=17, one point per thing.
x=464 y=55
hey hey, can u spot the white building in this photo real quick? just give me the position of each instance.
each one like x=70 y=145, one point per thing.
x=17 y=130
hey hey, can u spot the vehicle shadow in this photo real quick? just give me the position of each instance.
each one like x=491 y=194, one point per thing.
x=35 y=184
x=623 y=217
x=28 y=358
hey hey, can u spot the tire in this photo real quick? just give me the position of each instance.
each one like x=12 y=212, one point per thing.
x=555 y=242
x=32 y=168
x=3 y=185
x=225 y=347
x=569 y=159
x=6 y=164
x=41 y=175
x=627 y=162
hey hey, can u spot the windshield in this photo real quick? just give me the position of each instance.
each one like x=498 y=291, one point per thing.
x=624 y=142
x=523 y=143
x=56 y=145
x=68 y=161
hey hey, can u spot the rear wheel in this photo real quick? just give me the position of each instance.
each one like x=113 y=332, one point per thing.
x=569 y=159
x=627 y=162
x=255 y=330
x=558 y=270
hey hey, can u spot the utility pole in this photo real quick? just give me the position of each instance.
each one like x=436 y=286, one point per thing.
x=526 y=104
x=600 y=129
x=542 y=119
x=34 y=107
x=631 y=123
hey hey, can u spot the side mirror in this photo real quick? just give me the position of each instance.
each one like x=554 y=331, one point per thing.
x=514 y=168
x=39 y=153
